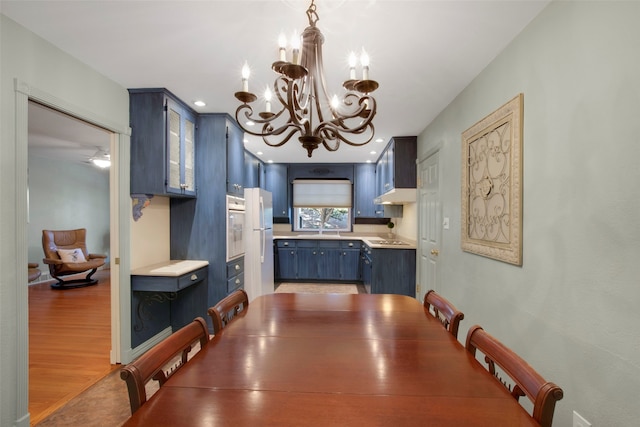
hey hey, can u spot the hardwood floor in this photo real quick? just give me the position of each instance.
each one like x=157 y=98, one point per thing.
x=69 y=343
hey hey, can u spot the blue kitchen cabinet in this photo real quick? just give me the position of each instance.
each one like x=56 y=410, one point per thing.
x=393 y=271
x=287 y=256
x=364 y=189
x=307 y=259
x=328 y=260
x=163 y=147
x=350 y=260
x=396 y=166
x=277 y=183
x=253 y=171
x=235 y=159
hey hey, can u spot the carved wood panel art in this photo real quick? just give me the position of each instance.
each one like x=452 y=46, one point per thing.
x=492 y=184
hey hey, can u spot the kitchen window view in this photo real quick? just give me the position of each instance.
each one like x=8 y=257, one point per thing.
x=321 y=219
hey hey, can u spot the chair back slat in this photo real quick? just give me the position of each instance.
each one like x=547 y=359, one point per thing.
x=527 y=382
x=151 y=365
x=227 y=309
x=444 y=311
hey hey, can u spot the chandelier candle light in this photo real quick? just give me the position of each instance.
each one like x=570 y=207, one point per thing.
x=305 y=106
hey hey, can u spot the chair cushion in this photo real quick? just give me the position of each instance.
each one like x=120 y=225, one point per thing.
x=71 y=255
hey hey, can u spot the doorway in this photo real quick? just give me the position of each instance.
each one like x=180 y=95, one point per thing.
x=66 y=191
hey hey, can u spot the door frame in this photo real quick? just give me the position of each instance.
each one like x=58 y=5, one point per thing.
x=119 y=225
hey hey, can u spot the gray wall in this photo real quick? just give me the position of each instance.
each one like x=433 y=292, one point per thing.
x=571 y=310
x=36 y=65
x=64 y=196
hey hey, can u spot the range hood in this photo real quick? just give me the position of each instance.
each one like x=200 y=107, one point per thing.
x=397 y=196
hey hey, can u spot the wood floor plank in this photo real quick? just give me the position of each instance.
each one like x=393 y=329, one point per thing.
x=69 y=343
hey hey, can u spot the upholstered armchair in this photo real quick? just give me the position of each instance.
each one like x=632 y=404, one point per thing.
x=66 y=254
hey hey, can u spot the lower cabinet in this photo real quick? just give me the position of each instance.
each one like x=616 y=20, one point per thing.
x=393 y=271
x=318 y=260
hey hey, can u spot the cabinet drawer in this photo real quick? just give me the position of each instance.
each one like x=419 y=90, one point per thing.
x=350 y=244
x=286 y=243
x=192 y=278
x=329 y=244
x=307 y=243
x=236 y=282
x=235 y=267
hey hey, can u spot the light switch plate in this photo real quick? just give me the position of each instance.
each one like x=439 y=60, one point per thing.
x=579 y=421
x=445 y=223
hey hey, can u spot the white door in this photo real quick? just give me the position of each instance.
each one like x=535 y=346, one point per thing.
x=429 y=224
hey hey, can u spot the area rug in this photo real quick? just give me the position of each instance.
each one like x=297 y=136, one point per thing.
x=319 y=288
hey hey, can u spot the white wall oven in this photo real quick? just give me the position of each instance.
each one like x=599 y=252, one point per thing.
x=235 y=227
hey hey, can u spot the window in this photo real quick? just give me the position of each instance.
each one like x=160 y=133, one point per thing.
x=321 y=205
x=322 y=219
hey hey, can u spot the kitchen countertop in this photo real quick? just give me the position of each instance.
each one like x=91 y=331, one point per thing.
x=372 y=240
x=171 y=268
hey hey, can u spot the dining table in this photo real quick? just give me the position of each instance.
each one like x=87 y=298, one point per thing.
x=304 y=359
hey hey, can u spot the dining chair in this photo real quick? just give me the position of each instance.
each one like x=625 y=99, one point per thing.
x=527 y=382
x=227 y=309
x=162 y=361
x=444 y=311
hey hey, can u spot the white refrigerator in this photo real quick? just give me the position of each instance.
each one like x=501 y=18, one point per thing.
x=258 y=243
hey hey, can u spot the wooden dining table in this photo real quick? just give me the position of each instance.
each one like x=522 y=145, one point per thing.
x=332 y=360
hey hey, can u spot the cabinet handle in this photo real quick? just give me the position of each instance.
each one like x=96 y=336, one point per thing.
x=237 y=281
x=194 y=277
x=291 y=252
x=350 y=245
x=286 y=243
x=314 y=252
x=237 y=267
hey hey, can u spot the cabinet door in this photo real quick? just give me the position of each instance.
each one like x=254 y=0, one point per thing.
x=287 y=263
x=349 y=264
x=252 y=170
x=329 y=263
x=180 y=140
x=308 y=259
x=365 y=191
x=235 y=160
x=276 y=183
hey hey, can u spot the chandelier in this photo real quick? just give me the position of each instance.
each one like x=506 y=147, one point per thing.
x=305 y=107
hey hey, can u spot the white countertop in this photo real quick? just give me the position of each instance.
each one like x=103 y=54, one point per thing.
x=171 y=268
x=372 y=240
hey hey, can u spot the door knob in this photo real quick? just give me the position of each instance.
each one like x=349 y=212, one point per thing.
x=435 y=252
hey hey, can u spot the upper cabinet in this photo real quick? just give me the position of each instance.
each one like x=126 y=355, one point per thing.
x=163 y=133
x=276 y=182
x=396 y=167
x=253 y=171
x=364 y=191
x=235 y=160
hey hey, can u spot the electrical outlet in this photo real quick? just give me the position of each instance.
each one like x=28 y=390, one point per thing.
x=579 y=421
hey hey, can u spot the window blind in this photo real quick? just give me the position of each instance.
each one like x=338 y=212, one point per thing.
x=321 y=193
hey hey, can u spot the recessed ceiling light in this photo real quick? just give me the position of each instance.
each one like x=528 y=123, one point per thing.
x=200 y=103
x=245 y=140
x=372 y=152
x=259 y=153
x=368 y=161
x=250 y=123
x=269 y=161
x=379 y=140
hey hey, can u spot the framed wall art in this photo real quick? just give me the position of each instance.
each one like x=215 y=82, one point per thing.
x=492 y=184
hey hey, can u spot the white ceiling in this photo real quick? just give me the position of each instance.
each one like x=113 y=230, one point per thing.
x=423 y=53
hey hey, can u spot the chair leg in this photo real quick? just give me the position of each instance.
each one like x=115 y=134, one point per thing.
x=75 y=283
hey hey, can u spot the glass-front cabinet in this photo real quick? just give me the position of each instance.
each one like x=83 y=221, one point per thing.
x=181 y=130
x=163 y=134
